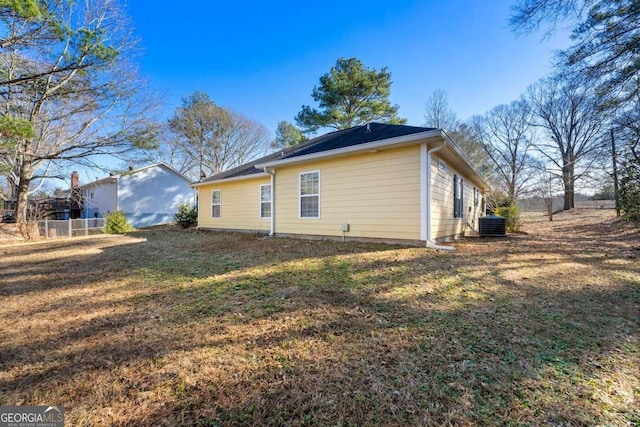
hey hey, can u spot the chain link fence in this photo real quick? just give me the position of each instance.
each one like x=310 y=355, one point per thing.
x=50 y=229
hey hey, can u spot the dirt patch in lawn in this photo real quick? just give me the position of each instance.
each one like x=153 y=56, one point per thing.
x=172 y=327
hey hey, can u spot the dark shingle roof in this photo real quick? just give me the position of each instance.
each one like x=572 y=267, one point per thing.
x=332 y=141
x=354 y=136
x=249 y=168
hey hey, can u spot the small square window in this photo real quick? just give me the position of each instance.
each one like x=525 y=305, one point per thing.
x=442 y=166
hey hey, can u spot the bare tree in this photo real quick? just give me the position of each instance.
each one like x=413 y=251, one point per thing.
x=505 y=133
x=213 y=138
x=530 y=15
x=605 y=39
x=169 y=151
x=468 y=139
x=66 y=74
x=438 y=113
x=245 y=140
x=547 y=188
x=199 y=124
x=573 y=127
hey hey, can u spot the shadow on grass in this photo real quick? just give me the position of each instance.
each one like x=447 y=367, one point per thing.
x=236 y=330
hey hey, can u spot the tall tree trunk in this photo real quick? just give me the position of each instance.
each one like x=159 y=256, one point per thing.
x=13 y=189
x=22 y=196
x=614 y=159
x=567 y=183
x=572 y=181
x=569 y=194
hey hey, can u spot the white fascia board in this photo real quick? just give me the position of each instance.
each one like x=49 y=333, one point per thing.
x=113 y=179
x=232 y=179
x=172 y=170
x=354 y=148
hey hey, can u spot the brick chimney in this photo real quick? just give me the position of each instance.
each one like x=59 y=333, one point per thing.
x=75 y=180
x=76 y=196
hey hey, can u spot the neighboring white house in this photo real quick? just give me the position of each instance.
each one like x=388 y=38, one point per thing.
x=148 y=196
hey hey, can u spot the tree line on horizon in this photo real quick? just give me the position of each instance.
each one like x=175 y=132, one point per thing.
x=71 y=92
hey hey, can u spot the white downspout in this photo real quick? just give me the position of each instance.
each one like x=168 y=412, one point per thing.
x=430 y=242
x=272 y=232
x=117 y=182
x=196 y=195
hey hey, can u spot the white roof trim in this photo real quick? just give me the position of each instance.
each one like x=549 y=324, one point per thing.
x=232 y=179
x=160 y=165
x=114 y=178
x=171 y=169
x=353 y=148
x=399 y=140
x=396 y=141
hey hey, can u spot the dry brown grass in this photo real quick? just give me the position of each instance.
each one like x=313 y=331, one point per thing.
x=165 y=327
x=9 y=232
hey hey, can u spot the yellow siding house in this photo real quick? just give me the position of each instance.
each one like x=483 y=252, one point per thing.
x=374 y=182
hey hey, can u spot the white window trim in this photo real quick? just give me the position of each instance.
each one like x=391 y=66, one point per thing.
x=442 y=163
x=300 y=195
x=219 y=204
x=460 y=185
x=261 y=202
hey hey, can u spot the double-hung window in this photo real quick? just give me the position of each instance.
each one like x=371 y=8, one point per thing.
x=458 y=192
x=216 y=203
x=265 y=201
x=310 y=194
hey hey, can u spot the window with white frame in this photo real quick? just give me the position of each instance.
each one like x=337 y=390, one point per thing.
x=216 y=203
x=458 y=192
x=310 y=194
x=476 y=196
x=265 y=201
x=442 y=166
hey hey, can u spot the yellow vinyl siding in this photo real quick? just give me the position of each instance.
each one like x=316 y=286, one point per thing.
x=239 y=209
x=443 y=224
x=377 y=194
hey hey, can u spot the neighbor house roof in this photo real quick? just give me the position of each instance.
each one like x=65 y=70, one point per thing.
x=351 y=137
x=115 y=177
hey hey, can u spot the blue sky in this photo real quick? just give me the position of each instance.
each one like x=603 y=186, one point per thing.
x=264 y=58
